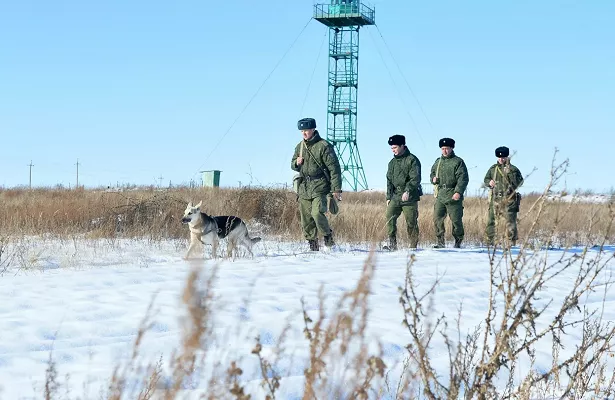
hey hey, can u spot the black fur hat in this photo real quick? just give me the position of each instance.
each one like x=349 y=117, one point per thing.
x=306 y=123
x=502 y=151
x=397 y=140
x=446 y=142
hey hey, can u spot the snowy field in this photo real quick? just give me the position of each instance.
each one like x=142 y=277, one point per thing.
x=586 y=198
x=84 y=300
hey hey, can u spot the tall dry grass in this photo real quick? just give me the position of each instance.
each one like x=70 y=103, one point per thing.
x=156 y=214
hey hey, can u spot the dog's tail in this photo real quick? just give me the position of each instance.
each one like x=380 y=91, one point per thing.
x=255 y=240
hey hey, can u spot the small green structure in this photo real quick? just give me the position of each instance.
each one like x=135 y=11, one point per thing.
x=344 y=18
x=211 y=178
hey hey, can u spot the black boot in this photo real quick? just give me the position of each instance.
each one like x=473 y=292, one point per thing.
x=439 y=243
x=329 y=240
x=458 y=243
x=392 y=246
x=313 y=244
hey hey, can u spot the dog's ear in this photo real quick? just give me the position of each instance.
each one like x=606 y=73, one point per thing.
x=199 y=205
x=189 y=204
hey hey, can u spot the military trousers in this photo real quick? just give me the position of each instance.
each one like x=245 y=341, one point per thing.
x=313 y=218
x=411 y=214
x=501 y=220
x=452 y=208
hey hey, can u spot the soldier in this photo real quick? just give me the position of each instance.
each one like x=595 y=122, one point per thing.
x=449 y=174
x=403 y=191
x=503 y=179
x=320 y=175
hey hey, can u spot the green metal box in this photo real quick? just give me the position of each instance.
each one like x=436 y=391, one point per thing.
x=211 y=178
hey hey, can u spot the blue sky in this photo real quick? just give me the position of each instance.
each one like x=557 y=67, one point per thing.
x=137 y=90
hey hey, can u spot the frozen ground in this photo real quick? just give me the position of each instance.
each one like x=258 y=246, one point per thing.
x=84 y=301
x=583 y=198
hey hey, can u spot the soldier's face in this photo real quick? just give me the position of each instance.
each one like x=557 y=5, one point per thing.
x=446 y=151
x=397 y=150
x=307 y=133
x=502 y=160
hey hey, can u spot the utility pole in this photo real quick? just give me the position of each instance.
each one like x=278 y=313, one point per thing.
x=160 y=179
x=30 y=182
x=77 y=187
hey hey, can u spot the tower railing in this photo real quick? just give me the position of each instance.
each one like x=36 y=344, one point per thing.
x=357 y=14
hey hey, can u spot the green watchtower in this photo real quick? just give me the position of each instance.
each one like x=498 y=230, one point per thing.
x=344 y=18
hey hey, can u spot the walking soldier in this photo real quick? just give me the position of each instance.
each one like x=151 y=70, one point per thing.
x=403 y=191
x=503 y=179
x=449 y=174
x=319 y=177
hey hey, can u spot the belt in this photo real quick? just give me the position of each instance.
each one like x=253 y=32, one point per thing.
x=445 y=186
x=314 y=177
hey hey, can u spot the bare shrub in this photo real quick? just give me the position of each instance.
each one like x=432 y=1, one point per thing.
x=340 y=364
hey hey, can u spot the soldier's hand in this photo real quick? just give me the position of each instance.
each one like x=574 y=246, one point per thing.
x=299 y=160
x=434 y=179
x=338 y=196
x=492 y=183
x=456 y=196
x=405 y=196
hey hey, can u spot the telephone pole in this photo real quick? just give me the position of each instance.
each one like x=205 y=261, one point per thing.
x=77 y=174
x=30 y=181
x=160 y=179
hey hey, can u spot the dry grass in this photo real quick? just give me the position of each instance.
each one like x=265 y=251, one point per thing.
x=156 y=215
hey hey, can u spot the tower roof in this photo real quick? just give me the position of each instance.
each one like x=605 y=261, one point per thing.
x=344 y=13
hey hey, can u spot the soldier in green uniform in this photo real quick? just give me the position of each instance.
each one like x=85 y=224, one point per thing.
x=403 y=191
x=503 y=179
x=449 y=174
x=320 y=176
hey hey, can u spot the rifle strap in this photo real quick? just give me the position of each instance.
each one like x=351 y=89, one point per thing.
x=324 y=171
x=435 y=192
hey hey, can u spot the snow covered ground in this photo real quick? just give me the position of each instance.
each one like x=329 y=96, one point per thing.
x=83 y=301
x=583 y=198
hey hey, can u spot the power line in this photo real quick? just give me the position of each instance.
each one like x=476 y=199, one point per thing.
x=404 y=77
x=307 y=92
x=397 y=89
x=255 y=94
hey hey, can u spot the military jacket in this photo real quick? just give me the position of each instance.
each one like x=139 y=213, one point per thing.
x=507 y=179
x=404 y=175
x=320 y=172
x=452 y=176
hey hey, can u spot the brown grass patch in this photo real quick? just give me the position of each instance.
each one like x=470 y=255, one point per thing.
x=156 y=214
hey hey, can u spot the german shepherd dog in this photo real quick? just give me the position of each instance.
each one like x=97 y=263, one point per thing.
x=210 y=230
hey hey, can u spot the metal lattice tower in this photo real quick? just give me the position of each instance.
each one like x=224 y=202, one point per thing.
x=344 y=18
